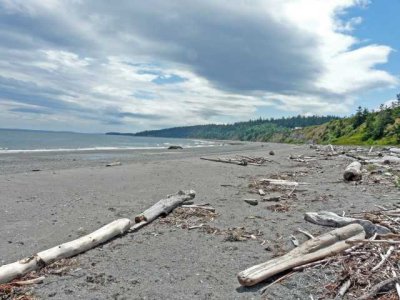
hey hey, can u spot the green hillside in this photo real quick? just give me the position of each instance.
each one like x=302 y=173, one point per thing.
x=253 y=130
x=364 y=128
x=380 y=127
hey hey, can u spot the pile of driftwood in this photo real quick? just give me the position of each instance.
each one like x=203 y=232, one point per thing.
x=370 y=268
x=274 y=190
x=364 y=249
x=27 y=271
x=240 y=160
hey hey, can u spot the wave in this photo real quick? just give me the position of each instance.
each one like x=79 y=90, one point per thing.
x=11 y=151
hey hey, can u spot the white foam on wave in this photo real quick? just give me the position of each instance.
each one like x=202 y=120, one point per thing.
x=11 y=151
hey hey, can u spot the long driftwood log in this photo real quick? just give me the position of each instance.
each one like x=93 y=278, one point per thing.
x=322 y=246
x=118 y=227
x=330 y=219
x=46 y=257
x=281 y=182
x=228 y=161
x=388 y=159
x=353 y=172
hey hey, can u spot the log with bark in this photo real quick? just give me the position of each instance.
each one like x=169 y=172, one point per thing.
x=330 y=219
x=104 y=234
x=353 y=172
x=322 y=246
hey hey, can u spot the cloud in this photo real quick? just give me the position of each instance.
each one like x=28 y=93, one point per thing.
x=125 y=65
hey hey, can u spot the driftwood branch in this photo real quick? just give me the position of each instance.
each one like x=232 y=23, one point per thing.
x=326 y=218
x=228 y=161
x=376 y=288
x=322 y=246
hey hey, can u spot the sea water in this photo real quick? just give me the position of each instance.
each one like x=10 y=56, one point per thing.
x=15 y=140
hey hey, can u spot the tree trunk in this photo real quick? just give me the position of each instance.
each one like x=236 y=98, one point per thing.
x=325 y=245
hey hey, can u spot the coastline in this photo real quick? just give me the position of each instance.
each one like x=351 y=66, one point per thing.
x=75 y=193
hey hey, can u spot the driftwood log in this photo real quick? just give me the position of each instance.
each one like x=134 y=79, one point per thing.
x=281 y=182
x=118 y=227
x=46 y=257
x=330 y=219
x=395 y=150
x=227 y=161
x=353 y=172
x=388 y=159
x=162 y=208
x=322 y=246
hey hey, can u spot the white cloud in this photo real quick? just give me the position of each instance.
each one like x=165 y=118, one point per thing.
x=148 y=64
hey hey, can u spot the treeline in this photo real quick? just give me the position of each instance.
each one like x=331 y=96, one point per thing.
x=381 y=126
x=253 y=130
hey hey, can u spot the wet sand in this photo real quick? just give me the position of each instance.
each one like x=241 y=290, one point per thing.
x=74 y=193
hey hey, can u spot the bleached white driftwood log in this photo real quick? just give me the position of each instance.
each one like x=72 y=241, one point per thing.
x=385 y=160
x=353 y=172
x=87 y=242
x=322 y=246
x=46 y=257
x=395 y=150
x=229 y=161
x=163 y=208
x=327 y=218
x=281 y=182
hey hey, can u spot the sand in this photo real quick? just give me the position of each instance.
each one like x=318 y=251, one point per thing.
x=74 y=193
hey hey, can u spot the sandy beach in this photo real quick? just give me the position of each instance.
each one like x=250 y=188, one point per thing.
x=50 y=198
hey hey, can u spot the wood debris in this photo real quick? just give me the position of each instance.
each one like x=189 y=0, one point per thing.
x=368 y=270
x=240 y=160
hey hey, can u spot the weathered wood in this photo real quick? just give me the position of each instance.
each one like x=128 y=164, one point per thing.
x=113 y=164
x=395 y=150
x=330 y=219
x=228 y=161
x=69 y=249
x=118 y=227
x=164 y=206
x=322 y=246
x=281 y=182
x=205 y=207
x=353 y=172
x=376 y=288
x=388 y=159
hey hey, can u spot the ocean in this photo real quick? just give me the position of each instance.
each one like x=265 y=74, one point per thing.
x=15 y=141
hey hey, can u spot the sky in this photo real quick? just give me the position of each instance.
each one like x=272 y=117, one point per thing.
x=131 y=65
